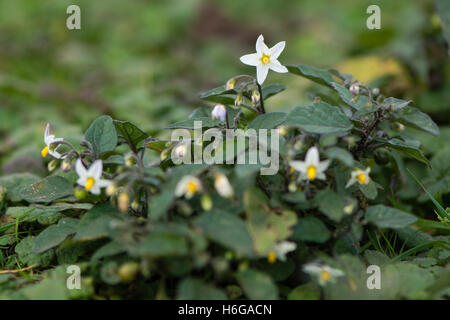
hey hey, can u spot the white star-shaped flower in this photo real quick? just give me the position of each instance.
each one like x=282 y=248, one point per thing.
x=91 y=179
x=188 y=186
x=265 y=59
x=280 y=250
x=358 y=175
x=312 y=168
x=325 y=274
x=51 y=144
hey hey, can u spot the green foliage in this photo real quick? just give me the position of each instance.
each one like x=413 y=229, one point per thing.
x=139 y=238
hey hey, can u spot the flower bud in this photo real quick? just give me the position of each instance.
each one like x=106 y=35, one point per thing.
x=206 y=202
x=130 y=160
x=123 y=201
x=400 y=126
x=179 y=151
x=52 y=165
x=80 y=193
x=292 y=186
x=128 y=271
x=354 y=89
x=164 y=154
x=238 y=100
x=223 y=185
x=282 y=130
x=111 y=189
x=375 y=91
x=135 y=204
x=66 y=165
x=219 y=112
x=256 y=97
x=348 y=209
x=230 y=84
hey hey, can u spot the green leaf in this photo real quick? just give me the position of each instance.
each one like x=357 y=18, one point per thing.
x=219 y=95
x=330 y=204
x=369 y=190
x=195 y=289
x=415 y=118
x=102 y=135
x=308 y=291
x=443 y=10
x=96 y=222
x=272 y=89
x=26 y=255
x=359 y=103
x=226 y=229
x=257 y=285
x=205 y=122
x=340 y=154
x=162 y=244
x=14 y=184
x=387 y=217
x=319 y=117
x=130 y=132
x=268 y=120
x=311 y=229
x=442 y=213
x=54 y=235
x=405 y=148
x=320 y=76
x=47 y=190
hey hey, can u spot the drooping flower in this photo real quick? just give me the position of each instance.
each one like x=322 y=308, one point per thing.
x=219 y=112
x=91 y=179
x=51 y=144
x=358 y=175
x=265 y=59
x=188 y=186
x=312 y=168
x=180 y=151
x=280 y=250
x=223 y=185
x=325 y=274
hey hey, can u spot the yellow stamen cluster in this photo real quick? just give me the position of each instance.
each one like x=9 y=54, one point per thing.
x=311 y=172
x=89 y=183
x=265 y=59
x=44 y=152
x=325 y=275
x=362 y=178
x=192 y=187
x=272 y=257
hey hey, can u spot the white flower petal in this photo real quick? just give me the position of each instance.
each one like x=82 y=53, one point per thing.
x=312 y=156
x=312 y=268
x=298 y=165
x=277 y=49
x=251 y=59
x=276 y=66
x=102 y=183
x=323 y=165
x=261 y=72
x=96 y=169
x=47 y=130
x=261 y=46
x=80 y=169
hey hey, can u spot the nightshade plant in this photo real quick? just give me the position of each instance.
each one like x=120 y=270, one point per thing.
x=157 y=230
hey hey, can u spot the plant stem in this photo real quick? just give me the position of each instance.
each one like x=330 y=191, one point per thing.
x=261 y=101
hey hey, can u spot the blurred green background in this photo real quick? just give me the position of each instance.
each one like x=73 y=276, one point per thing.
x=147 y=61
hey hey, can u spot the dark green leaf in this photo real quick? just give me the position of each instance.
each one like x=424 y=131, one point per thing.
x=130 y=132
x=102 y=135
x=387 y=217
x=268 y=120
x=320 y=117
x=47 y=190
x=311 y=229
x=257 y=285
